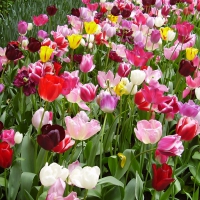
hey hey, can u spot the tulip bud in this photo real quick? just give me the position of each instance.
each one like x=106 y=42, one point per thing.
x=22 y=27
x=90 y=45
x=137 y=77
x=126 y=13
x=170 y=35
x=197 y=93
x=51 y=10
x=159 y=21
x=18 y=137
x=30 y=26
x=150 y=22
x=186 y=67
x=87 y=63
x=155 y=36
x=115 y=11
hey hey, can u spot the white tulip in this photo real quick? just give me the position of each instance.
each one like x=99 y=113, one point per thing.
x=50 y=173
x=197 y=93
x=137 y=77
x=18 y=137
x=82 y=42
x=30 y=26
x=170 y=35
x=159 y=21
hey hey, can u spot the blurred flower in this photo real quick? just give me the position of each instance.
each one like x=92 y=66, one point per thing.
x=155 y=36
x=191 y=53
x=50 y=87
x=160 y=157
x=171 y=145
x=8 y=136
x=90 y=27
x=79 y=127
x=115 y=57
x=22 y=27
x=51 y=136
x=45 y=53
x=87 y=63
x=6 y=155
x=88 y=92
x=49 y=174
x=37 y=116
x=167 y=33
x=148 y=2
x=2 y=87
x=148 y=132
x=122 y=158
x=64 y=145
x=40 y=20
x=197 y=93
x=189 y=109
x=86 y=177
x=115 y=11
x=42 y=34
x=187 y=128
x=18 y=137
x=162 y=176
x=75 y=12
x=186 y=67
x=159 y=21
x=120 y=88
x=33 y=45
x=171 y=53
x=113 y=18
x=74 y=40
x=51 y=10
x=30 y=26
x=13 y=52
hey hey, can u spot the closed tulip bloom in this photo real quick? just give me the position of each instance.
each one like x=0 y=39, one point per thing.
x=187 y=128
x=197 y=93
x=148 y=132
x=42 y=34
x=87 y=63
x=162 y=176
x=6 y=154
x=191 y=53
x=8 y=136
x=34 y=45
x=45 y=53
x=159 y=157
x=124 y=69
x=186 y=67
x=90 y=27
x=51 y=136
x=155 y=36
x=18 y=137
x=50 y=87
x=22 y=27
x=51 y=10
x=13 y=52
x=88 y=92
x=150 y=22
x=137 y=77
x=171 y=145
x=74 y=40
x=80 y=128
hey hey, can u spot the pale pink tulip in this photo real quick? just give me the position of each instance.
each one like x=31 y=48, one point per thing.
x=148 y=132
x=80 y=128
x=171 y=53
x=87 y=63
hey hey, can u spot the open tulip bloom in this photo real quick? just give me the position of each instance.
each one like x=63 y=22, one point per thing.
x=103 y=105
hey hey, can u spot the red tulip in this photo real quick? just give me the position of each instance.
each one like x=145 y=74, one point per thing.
x=187 y=128
x=6 y=154
x=50 y=87
x=162 y=176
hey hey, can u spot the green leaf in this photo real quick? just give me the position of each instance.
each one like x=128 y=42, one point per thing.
x=129 y=194
x=95 y=192
x=27 y=153
x=196 y=195
x=114 y=193
x=41 y=158
x=2 y=181
x=196 y=155
x=167 y=193
x=139 y=187
x=28 y=196
x=110 y=180
x=14 y=180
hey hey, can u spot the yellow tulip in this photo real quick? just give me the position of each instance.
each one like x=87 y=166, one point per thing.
x=45 y=53
x=90 y=27
x=164 y=31
x=191 y=53
x=113 y=18
x=120 y=88
x=123 y=159
x=74 y=40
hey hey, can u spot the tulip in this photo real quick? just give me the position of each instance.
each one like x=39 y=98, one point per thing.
x=50 y=87
x=90 y=27
x=165 y=10
x=51 y=136
x=8 y=136
x=148 y=2
x=167 y=33
x=13 y=52
x=171 y=145
x=45 y=53
x=197 y=93
x=34 y=45
x=40 y=20
x=148 y=132
x=187 y=128
x=30 y=26
x=79 y=127
x=186 y=67
x=75 y=12
x=191 y=53
x=115 y=11
x=87 y=63
x=126 y=13
x=2 y=87
x=51 y=10
x=150 y=22
x=18 y=137
x=124 y=69
x=120 y=88
x=140 y=101
x=122 y=158
x=137 y=77
x=160 y=157
x=155 y=36
x=74 y=40
x=22 y=27
x=6 y=154
x=88 y=92
x=171 y=53
x=115 y=57
x=49 y=174
x=159 y=21
x=42 y=34
x=162 y=176
x=86 y=177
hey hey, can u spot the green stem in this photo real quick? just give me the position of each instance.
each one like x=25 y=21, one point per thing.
x=101 y=144
x=73 y=151
x=85 y=196
x=145 y=152
x=195 y=178
x=5 y=177
x=173 y=188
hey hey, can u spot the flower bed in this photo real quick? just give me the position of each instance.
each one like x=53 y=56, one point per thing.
x=104 y=106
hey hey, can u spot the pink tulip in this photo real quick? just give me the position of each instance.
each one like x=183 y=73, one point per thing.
x=148 y=132
x=160 y=157
x=22 y=27
x=88 y=92
x=8 y=136
x=40 y=20
x=42 y=34
x=124 y=69
x=171 y=145
x=171 y=53
x=87 y=63
x=47 y=118
x=79 y=127
x=152 y=74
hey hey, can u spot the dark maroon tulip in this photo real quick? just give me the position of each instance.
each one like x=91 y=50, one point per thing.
x=1 y=126
x=125 y=13
x=115 y=11
x=34 y=45
x=77 y=58
x=51 y=10
x=186 y=67
x=13 y=52
x=51 y=136
x=148 y=2
x=113 y=56
x=173 y=2
x=75 y=12
x=162 y=176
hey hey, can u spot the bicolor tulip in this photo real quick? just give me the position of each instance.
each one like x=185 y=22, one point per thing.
x=45 y=53
x=74 y=40
x=90 y=27
x=191 y=53
x=88 y=92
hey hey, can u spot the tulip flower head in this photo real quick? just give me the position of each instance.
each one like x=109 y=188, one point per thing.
x=6 y=155
x=51 y=10
x=40 y=20
x=90 y=27
x=191 y=53
x=8 y=136
x=74 y=40
x=45 y=53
